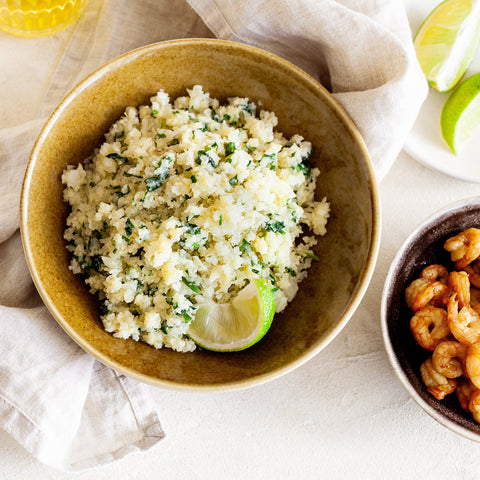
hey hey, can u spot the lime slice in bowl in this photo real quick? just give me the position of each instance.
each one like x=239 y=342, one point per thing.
x=235 y=326
x=460 y=116
x=446 y=42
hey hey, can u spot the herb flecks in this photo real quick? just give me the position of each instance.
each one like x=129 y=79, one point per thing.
x=203 y=157
x=129 y=227
x=156 y=182
x=230 y=148
x=275 y=226
x=191 y=285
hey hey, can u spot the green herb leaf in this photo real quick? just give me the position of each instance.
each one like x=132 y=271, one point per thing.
x=202 y=156
x=193 y=229
x=117 y=157
x=151 y=291
x=291 y=271
x=156 y=182
x=164 y=329
x=214 y=115
x=129 y=227
x=233 y=181
x=247 y=108
x=245 y=245
x=312 y=256
x=230 y=147
x=275 y=226
x=191 y=285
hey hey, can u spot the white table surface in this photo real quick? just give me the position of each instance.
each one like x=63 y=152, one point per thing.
x=360 y=424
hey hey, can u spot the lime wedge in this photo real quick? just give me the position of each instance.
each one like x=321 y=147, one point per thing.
x=446 y=42
x=230 y=327
x=461 y=113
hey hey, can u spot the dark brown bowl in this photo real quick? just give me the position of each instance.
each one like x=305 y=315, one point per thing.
x=423 y=247
x=335 y=285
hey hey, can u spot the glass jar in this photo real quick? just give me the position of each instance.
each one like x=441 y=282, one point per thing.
x=38 y=18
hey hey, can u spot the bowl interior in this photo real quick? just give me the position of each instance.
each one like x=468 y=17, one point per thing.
x=347 y=253
x=422 y=248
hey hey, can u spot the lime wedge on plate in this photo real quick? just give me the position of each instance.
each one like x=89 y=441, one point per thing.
x=446 y=42
x=230 y=327
x=461 y=113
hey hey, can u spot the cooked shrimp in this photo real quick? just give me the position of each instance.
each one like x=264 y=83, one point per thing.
x=464 y=248
x=464 y=324
x=414 y=289
x=460 y=284
x=437 y=384
x=429 y=327
x=432 y=293
x=464 y=391
x=448 y=358
x=472 y=364
x=435 y=272
x=474 y=405
x=473 y=271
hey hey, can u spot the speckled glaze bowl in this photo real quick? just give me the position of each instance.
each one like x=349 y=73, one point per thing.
x=423 y=247
x=335 y=285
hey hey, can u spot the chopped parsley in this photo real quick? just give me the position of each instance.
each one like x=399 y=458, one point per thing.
x=312 y=256
x=193 y=229
x=214 y=115
x=275 y=226
x=204 y=157
x=129 y=227
x=117 y=157
x=291 y=271
x=191 y=285
x=156 y=182
x=230 y=147
x=245 y=245
x=247 y=108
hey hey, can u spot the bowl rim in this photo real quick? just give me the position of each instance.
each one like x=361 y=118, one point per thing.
x=393 y=269
x=334 y=105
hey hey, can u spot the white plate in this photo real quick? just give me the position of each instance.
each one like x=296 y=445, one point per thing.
x=425 y=142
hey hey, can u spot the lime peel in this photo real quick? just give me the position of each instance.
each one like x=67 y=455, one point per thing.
x=446 y=42
x=460 y=115
x=238 y=325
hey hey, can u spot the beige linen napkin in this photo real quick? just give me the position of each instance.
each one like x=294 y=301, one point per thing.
x=66 y=408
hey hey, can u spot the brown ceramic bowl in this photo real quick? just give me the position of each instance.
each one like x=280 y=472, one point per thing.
x=335 y=285
x=423 y=247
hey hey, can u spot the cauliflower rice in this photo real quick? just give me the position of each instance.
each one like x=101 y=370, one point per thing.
x=185 y=203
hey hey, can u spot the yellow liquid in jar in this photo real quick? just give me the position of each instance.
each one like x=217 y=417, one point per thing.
x=37 y=18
